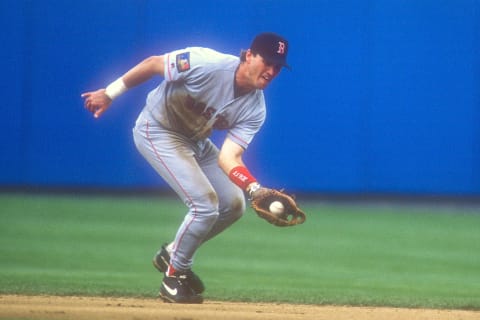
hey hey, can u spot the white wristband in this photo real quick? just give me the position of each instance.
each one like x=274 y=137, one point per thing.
x=116 y=88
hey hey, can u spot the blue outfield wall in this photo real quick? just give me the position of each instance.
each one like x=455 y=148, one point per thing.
x=384 y=96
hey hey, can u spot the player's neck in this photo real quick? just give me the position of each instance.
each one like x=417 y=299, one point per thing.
x=240 y=83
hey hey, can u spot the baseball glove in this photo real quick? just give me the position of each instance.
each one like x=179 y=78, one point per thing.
x=291 y=215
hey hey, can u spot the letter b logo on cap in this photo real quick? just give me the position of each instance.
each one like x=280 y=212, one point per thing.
x=281 y=47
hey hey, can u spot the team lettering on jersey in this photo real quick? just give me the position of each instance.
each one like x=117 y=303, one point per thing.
x=201 y=109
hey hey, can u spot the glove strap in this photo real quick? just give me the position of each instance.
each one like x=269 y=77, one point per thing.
x=253 y=187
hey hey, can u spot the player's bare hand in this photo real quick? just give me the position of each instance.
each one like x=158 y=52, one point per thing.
x=97 y=102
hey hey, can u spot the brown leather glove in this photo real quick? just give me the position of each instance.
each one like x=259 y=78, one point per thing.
x=261 y=198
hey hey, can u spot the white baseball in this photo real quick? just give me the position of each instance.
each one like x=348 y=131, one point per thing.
x=276 y=207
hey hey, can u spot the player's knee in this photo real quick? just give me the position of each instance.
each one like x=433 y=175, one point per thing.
x=237 y=207
x=212 y=201
x=210 y=206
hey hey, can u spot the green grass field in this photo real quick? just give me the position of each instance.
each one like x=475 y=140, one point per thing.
x=344 y=254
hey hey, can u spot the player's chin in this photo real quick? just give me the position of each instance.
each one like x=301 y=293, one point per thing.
x=263 y=83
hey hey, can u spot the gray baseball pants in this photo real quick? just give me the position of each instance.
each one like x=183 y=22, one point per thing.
x=191 y=169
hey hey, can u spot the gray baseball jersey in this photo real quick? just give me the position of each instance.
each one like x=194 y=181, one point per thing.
x=198 y=96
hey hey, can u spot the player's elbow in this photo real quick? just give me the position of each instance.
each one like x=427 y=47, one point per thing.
x=155 y=64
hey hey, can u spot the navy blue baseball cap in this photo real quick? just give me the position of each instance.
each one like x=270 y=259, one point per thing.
x=272 y=47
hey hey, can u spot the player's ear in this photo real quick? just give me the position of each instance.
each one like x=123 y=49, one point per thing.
x=249 y=55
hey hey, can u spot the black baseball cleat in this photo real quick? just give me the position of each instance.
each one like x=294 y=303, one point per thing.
x=176 y=289
x=161 y=260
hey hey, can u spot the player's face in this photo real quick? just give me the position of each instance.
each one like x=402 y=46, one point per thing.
x=261 y=71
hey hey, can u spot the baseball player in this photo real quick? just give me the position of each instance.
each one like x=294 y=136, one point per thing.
x=202 y=90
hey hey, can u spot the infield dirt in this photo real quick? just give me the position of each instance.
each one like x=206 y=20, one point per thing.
x=93 y=308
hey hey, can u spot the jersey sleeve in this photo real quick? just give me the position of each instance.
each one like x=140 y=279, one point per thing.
x=187 y=63
x=250 y=123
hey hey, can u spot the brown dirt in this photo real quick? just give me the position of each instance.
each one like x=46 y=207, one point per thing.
x=92 y=308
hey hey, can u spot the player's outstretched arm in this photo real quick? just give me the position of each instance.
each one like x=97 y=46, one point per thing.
x=230 y=160
x=230 y=156
x=97 y=102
